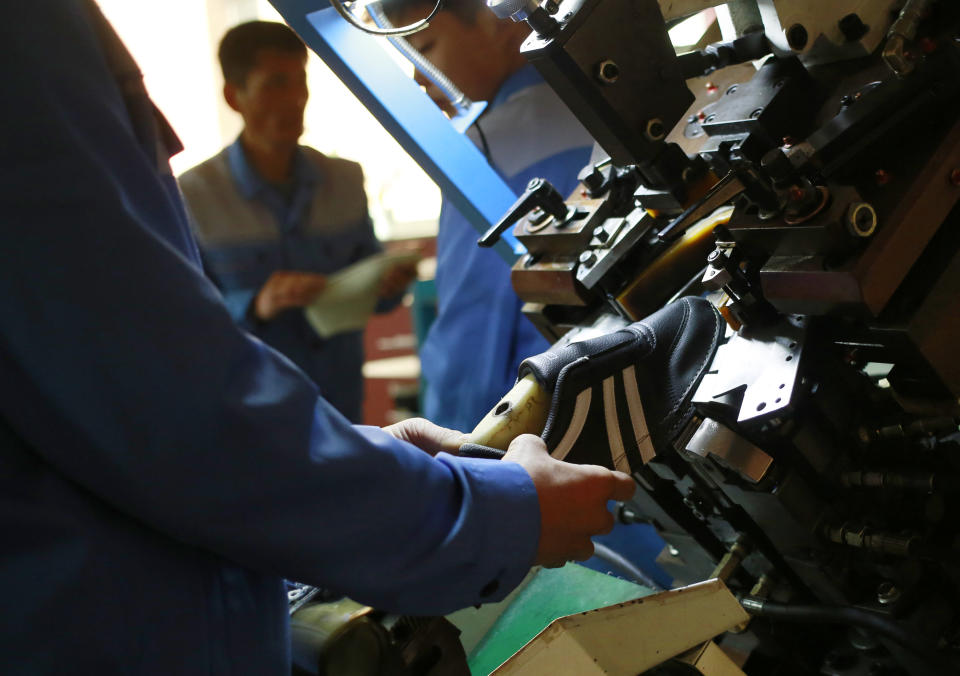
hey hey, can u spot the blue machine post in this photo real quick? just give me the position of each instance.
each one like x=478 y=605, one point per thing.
x=408 y=114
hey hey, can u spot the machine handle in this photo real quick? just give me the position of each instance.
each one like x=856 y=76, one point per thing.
x=539 y=194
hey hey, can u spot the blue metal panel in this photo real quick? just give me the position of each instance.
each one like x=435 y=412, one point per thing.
x=407 y=113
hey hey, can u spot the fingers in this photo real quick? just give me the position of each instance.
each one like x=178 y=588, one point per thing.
x=583 y=553
x=623 y=487
x=426 y=436
x=606 y=523
x=302 y=288
x=526 y=444
x=396 y=279
x=286 y=289
x=573 y=500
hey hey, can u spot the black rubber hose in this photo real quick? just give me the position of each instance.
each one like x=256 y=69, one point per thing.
x=479 y=451
x=848 y=615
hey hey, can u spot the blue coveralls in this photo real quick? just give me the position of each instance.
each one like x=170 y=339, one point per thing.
x=247 y=230
x=161 y=471
x=474 y=347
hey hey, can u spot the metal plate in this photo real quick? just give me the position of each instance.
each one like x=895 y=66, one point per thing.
x=762 y=361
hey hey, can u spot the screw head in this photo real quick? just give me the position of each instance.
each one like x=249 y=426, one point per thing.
x=588 y=258
x=883 y=177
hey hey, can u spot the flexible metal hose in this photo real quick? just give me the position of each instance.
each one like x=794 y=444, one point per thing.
x=443 y=83
x=620 y=562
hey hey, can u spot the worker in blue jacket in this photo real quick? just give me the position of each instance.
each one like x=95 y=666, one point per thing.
x=274 y=218
x=161 y=471
x=474 y=347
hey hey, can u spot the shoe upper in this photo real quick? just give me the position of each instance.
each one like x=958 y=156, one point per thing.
x=618 y=399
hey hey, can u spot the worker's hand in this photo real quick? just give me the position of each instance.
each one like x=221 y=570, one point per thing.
x=573 y=500
x=287 y=289
x=396 y=279
x=426 y=436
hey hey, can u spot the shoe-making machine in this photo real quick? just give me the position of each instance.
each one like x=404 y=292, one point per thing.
x=754 y=300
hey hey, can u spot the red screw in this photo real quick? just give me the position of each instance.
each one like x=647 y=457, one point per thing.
x=796 y=193
x=883 y=177
x=584 y=193
x=927 y=45
x=788 y=142
x=955 y=177
x=711 y=88
x=701 y=116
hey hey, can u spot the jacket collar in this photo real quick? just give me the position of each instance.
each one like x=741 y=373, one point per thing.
x=523 y=78
x=250 y=183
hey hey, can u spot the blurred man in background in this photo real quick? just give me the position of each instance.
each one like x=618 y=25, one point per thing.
x=274 y=218
x=474 y=348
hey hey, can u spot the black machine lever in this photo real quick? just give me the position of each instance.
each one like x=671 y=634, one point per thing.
x=538 y=195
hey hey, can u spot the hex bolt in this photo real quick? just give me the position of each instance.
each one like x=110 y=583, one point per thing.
x=601 y=233
x=861 y=219
x=588 y=258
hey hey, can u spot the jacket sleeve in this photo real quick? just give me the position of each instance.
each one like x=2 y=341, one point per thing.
x=121 y=367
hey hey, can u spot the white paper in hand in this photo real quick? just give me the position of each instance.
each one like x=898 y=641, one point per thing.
x=351 y=295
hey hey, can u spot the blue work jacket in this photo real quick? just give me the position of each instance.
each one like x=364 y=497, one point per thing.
x=248 y=230
x=161 y=471
x=474 y=347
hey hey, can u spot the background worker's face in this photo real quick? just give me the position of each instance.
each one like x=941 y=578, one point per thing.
x=470 y=54
x=273 y=98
